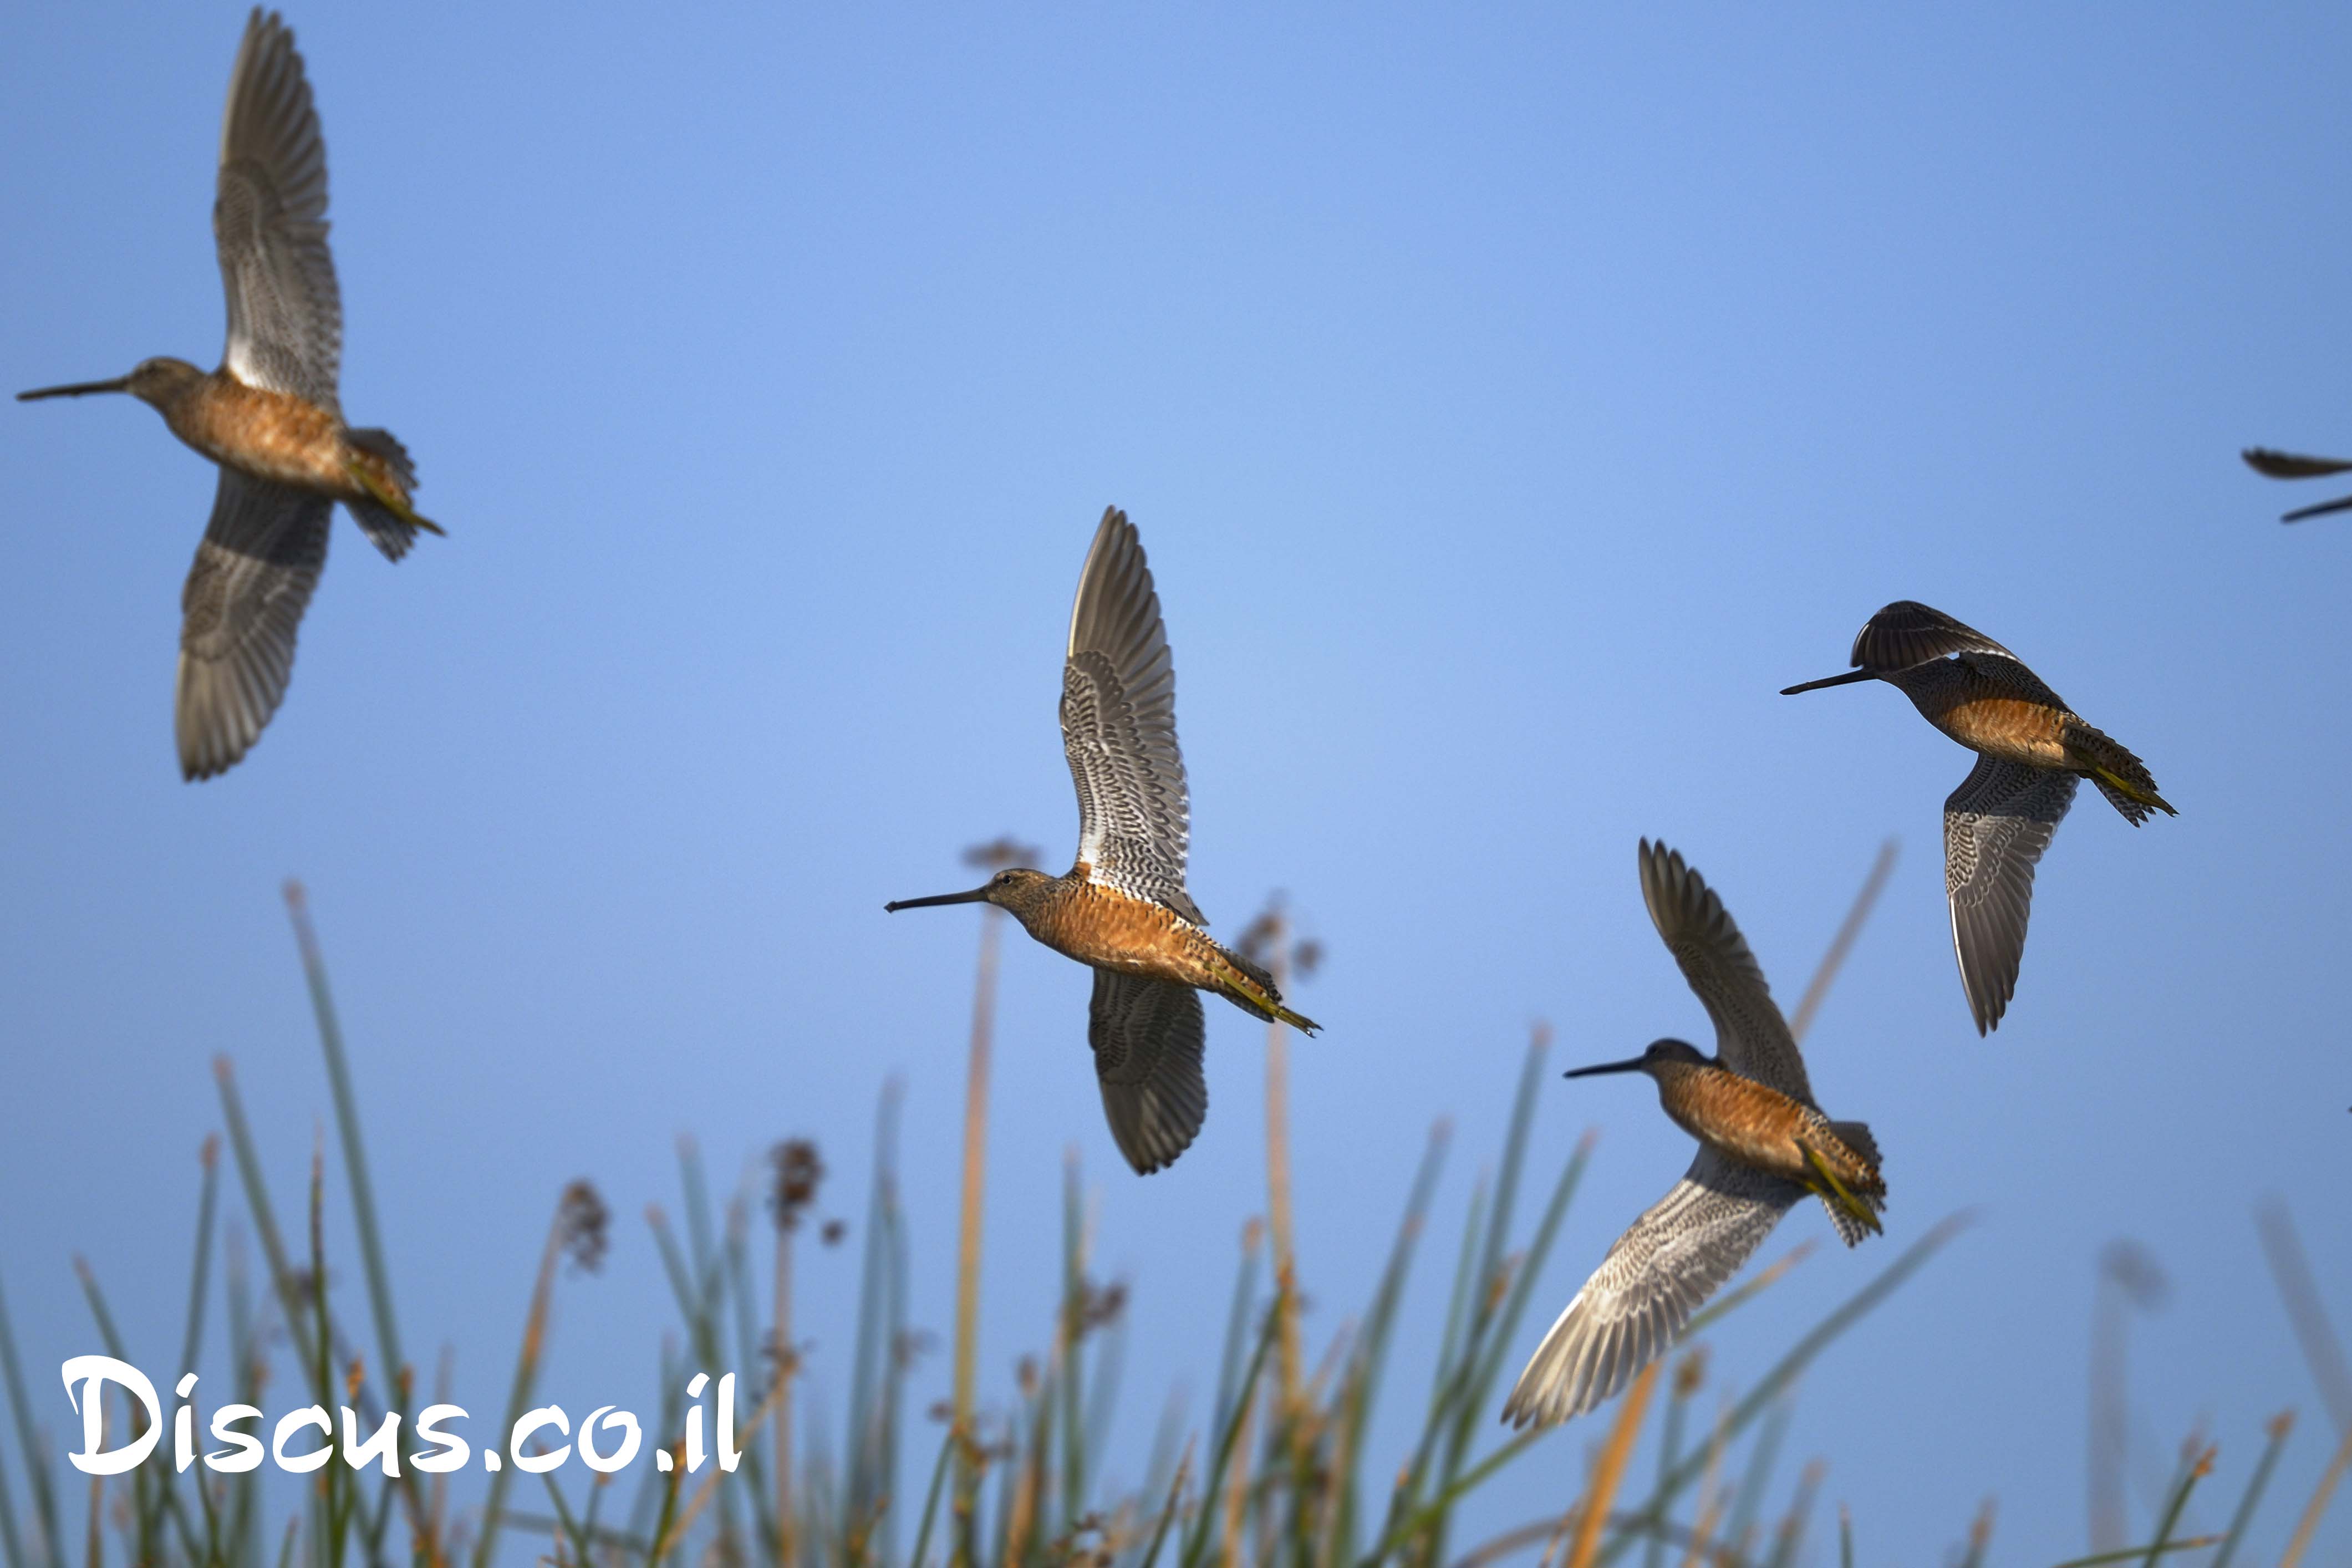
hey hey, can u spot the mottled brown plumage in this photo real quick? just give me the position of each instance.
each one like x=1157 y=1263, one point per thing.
x=1994 y=706
x=1102 y=927
x=1762 y=1127
x=271 y=435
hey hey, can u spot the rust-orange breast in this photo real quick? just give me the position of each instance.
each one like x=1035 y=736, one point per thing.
x=269 y=435
x=1110 y=930
x=1757 y=1126
x=2010 y=727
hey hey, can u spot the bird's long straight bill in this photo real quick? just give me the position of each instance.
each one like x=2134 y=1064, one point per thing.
x=977 y=896
x=1634 y=1065
x=76 y=389
x=1848 y=679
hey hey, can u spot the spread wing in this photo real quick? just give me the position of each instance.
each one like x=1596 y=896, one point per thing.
x=1906 y=632
x=270 y=222
x=1750 y=1036
x=1119 y=726
x=1996 y=825
x=1661 y=1271
x=2291 y=464
x=1146 y=1035
x=252 y=579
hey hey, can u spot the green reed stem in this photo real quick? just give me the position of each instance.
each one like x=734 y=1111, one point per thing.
x=45 y=1502
x=2279 y=1427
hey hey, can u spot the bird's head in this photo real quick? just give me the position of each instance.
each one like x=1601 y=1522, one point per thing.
x=1660 y=1054
x=157 y=382
x=1011 y=888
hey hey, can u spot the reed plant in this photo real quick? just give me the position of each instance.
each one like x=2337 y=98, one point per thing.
x=1283 y=1474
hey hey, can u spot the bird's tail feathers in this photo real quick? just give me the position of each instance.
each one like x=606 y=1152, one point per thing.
x=386 y=517
x=1855 y=1135
x=2122 y=777
x=1249 y=987
x=1852 y=1214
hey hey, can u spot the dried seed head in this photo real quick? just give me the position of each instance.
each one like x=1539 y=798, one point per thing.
x=2133 y=1270
x=833 y=1232
x=1025 y=1374
x=1100 y=1307
x=583 y=1225
x=798 y=1170
x=1306 y=958
x=998 y=853
x=1261 y=938
x=1690 y=1373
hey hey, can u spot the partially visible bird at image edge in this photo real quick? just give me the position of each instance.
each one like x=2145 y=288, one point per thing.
x=2032 y=748
x=1763 y=1145
x=1121 y=908
x=269 y=416
x=2290 y=466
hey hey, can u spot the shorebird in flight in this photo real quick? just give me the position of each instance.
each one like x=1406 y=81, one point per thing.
x=269 y=416
x=2032 y=748
x=1763 y=1144
x=1122 y=908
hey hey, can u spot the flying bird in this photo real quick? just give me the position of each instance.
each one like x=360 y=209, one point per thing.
x=2288 y=466
x=1763 y=1144
x=2032 y=748
x=1122 y=908
x=269 y=417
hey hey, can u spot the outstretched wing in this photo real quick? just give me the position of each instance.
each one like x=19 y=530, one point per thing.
x=1996 y=825
x=1750 y=1036
x=1146 y=1035
x=1906 y=632
x=2291 y=464
x=1661 y=1271
x=245 y=596
x=1119 y=726
x=270 y=222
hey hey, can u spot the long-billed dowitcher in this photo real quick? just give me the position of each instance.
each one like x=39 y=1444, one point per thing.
x=1763 y=1145
x=269 y=416
x=2289 y=466
x=2031 y=748
x=1122 y=908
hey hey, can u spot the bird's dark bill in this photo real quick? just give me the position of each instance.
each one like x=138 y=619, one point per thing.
x=1632 y=1065
x=76 y=389
x=1848 y=679
x=977 y=896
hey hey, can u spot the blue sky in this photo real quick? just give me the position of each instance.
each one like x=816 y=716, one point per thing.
x=1509 y=404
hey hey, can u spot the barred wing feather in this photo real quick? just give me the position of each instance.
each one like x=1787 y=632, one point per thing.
x=1661 y=1271
x=1146 y=1035
x=1750 y=1036
x=269 y=224
x=1119 y=726
x=1996 y=825
x=252 y=579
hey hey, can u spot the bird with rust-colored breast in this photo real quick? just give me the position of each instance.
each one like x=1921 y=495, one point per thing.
x=2031 y=751
x=2293 y=465
x=1763 y=1144
x=1122 y=908
x=268 y=415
